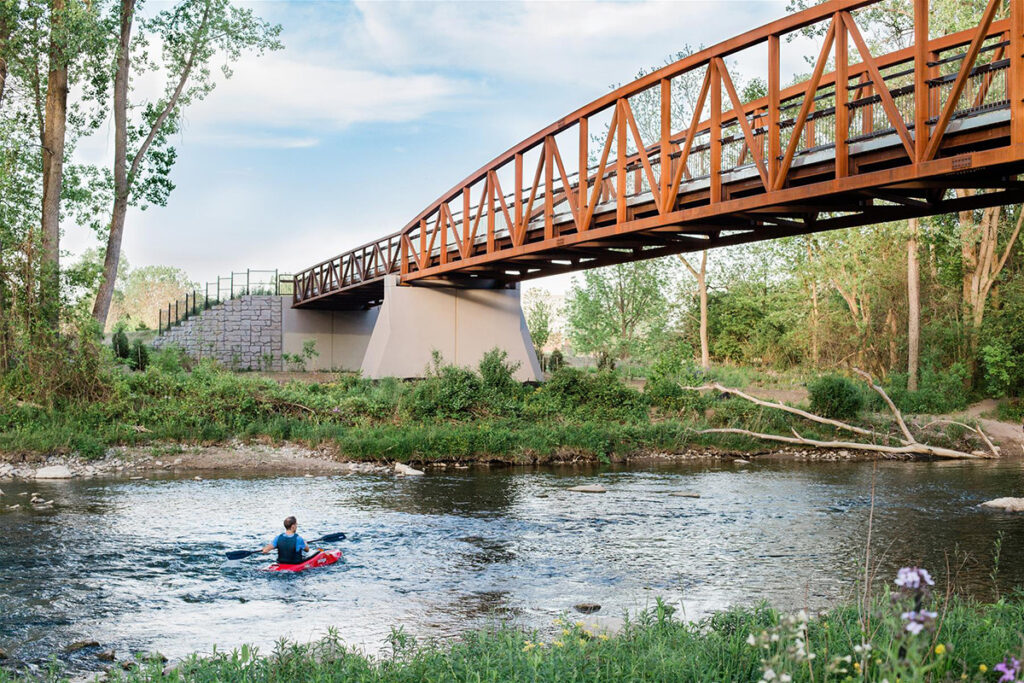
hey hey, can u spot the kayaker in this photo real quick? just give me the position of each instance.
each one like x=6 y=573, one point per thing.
x=289 y=545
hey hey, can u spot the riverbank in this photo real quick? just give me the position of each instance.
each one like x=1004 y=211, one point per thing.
x=945 y=639
x=455 y=415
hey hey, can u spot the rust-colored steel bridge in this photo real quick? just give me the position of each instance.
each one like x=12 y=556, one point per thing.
x=934 y=128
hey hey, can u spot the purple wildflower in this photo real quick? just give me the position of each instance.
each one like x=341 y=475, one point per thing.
x=913 y=578
x=1009 y=668
x=918 y=621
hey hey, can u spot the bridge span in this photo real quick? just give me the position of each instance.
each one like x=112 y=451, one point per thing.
x=676 y=162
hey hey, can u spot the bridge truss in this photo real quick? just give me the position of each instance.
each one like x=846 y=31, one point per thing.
x=934 y=128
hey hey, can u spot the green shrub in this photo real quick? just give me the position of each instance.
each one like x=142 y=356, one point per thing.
x=938 y=392
x=452 y=392
x=571 y=393
x=1001 y=368
x=138 y=356
x=170 y=359
x=119 y=343
x=670 y=395
x=556 y=361
x=835 y=396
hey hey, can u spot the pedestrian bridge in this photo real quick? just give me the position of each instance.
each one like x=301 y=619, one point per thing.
x=677 y=161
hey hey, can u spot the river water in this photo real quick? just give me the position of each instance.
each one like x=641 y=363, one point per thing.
x=138 y=565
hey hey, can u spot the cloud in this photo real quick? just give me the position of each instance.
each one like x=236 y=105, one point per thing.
x=295 y=91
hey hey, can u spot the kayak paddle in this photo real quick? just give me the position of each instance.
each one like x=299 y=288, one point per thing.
x=242 y=554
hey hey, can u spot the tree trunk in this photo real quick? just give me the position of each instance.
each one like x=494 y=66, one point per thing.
x=702 y=290
x=913 y=307
x=113 y=254
x=5 y=34
x=54 y=131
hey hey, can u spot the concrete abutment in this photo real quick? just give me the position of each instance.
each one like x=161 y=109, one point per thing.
x=395 y=340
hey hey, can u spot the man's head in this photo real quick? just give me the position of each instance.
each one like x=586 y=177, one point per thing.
x=290 y=524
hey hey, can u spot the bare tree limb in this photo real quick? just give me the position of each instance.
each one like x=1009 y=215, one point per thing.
x=892 y=406
x=782 y=406
x=977 y=430
x=907 y=449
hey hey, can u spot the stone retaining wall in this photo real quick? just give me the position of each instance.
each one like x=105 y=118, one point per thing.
x=242 y=334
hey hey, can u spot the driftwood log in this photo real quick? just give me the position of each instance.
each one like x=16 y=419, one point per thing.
x=909 y=445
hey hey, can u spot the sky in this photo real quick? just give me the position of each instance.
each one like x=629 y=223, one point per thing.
x=374 y=109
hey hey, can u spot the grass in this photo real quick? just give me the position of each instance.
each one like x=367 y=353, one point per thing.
x=966 y=641
x=454 y=414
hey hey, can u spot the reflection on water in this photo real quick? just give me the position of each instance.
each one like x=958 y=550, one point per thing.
x=138 y=565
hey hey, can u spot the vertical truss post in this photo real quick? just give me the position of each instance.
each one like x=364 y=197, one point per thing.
x=842 y=111
x=403 y=247
x=517 y=214
x=1015 y=79
x=465 y=247
x=665 y=151
x=549 y=189
x=491 y=189
x=774 y=137
x=442 y=220
x=583 y=176
x=620 y=164
x=716 y=134
x=921 y=94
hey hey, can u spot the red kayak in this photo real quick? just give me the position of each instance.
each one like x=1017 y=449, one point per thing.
x=324 y=558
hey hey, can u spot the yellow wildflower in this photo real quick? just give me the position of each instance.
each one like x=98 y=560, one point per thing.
x=940 y=649
x=604 y=636
x=565 y=631
x=856 y=666
x=529 y=646
x=982 y=668
x=588 y=633
x=558 y=621
x=579 y=624
x=582 y=642
x=963 y=677
x=558 y=643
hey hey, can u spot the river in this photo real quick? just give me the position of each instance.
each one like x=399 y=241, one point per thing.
x=138 y=565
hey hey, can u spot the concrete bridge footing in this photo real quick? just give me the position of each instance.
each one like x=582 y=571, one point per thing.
x=461 y=324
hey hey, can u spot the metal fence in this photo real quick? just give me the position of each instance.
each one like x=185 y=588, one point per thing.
x=224 y=288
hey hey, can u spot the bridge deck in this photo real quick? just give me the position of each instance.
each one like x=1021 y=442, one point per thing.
x=808 y=158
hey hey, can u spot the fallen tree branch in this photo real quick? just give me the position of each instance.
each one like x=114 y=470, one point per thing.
x=782 y=406
x=892 y=406
x=906 y=449
x=977 y=430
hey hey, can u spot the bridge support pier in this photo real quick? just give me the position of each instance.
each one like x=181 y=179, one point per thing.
x=341 y=336
x=462 y=324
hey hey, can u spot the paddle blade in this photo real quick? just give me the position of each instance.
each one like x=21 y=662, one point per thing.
x=240 y=554
x=331 y=538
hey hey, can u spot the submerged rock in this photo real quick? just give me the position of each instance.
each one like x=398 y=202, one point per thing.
x=3 y=653
x=407 y=471
x=589 y=488
x=740 y=461
x=106 y=656
x=685 y=494
x=1006 y=504
x=587 y=607
x=54 y=472
x=80 y=645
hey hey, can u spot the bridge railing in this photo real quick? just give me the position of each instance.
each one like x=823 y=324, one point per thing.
x=224 y=288
x=681 y=137
x=768 y=136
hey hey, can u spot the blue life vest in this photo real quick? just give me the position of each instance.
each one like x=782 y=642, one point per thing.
x=287 y=553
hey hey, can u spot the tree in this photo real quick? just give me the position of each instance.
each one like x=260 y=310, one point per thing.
x=538 y=317
x=143 y=292
x=701 y=276
x=613 y=309
x=192 y=34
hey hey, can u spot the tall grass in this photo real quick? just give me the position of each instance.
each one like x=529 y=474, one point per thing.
x=752 y=644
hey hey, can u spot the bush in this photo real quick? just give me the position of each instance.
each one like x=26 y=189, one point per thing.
x=119 y=342
x=138 y=356
x=1003 y=374
x=670 y=395
x=571 y=393
x=938 y=392
x=835 y=396
x=556 y=361
x=450 y=392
